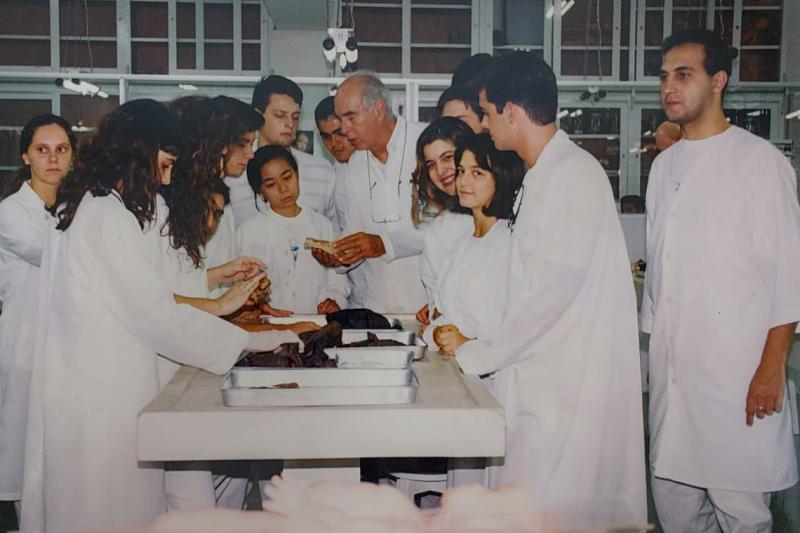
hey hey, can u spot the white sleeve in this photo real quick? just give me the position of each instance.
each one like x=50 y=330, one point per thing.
x=339 y=197
x=136 y=296
x=404 y=240
x=19 y=235
x=553 y=272
x=427 y=269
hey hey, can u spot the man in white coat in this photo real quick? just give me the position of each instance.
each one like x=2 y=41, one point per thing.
x=378 y=227
x=721 y=302
x=566 y=354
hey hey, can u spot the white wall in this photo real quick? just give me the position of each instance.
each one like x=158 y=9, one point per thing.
x=297 y=53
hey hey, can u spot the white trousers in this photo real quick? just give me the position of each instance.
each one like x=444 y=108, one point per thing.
x=682 y=508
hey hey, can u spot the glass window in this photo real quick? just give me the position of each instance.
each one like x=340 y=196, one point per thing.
x=88 y=30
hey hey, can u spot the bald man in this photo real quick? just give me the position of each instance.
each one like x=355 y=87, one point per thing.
x=667 y=134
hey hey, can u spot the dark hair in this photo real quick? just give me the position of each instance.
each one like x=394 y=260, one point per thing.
x=507 y=169
x=23 y=174
x=211 y=124
x=223 y=190
x=718 y=55
x=324 y=110
x=468 y=70
x=122 y=155
x=465 y=93
x=264 y=155
x=274 y=84
x=430 y=201
x=526 y=80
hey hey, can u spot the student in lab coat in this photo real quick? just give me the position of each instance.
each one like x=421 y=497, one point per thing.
x=435 y=188
x=721 y=303
x=47 y=145
x=276 y=234
x=104 y=313
x=566 y=354
x=461 y=102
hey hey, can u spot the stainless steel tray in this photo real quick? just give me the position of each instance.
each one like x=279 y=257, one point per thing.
x=369 y=357
x=409 y=338
x=253 y=387
x=317 y=319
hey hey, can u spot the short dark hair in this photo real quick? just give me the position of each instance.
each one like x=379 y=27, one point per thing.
x=324 y=110
x=275 y=84
x=264 y=155
x=526 y=80
x=506 y=167
x=465 y=93
x=717 y=55
x=469 y=68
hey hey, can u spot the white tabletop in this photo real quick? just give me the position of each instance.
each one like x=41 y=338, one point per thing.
x=453 y=416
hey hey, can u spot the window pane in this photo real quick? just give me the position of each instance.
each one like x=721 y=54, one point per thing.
x=149 y=19
x=251 y=21
x=9 y=148
x=218 y=56
x=652 y=63
x=519 y=22
x=440 y=2
x=624 y=74
x=762 y=2
x=187 y=58
x=185 y=20
x=25 y=17
x=755 y=121
x=653 y=28
x=380 y=59
x=588 y=24
x=761 y=28
x=100 y=54
x=759 y=65
x=377 y=25
x=150 y=58
x=251 y=56
x=688 y=20
x=440 y=26
x=723 y=25
x=86 y=111
x=437 y=60
x=218 y=21
x=102 y=18
x=586 y=62
x=24 y=52
x=18 y=112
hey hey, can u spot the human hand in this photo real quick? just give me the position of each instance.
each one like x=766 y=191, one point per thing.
x=448 y=338
x=765 y=394
x=265 y=341
x=423 y=316
x=325 y=259
x=302 y=326
x=358 y=246
x=327 y=305
x=235 y=297
x=267 y=309
x=240 y=268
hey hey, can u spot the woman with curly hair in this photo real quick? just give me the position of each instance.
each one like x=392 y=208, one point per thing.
x=435 y=187
x=104 y=313
x=47 y=145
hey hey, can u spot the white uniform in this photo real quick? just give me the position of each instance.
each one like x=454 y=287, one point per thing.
x=441 y=236
x=317 y=184
x=221 y=247
x=104 y=315
x=355 y=276
x=723 y=253
x=567 y=351
x=24 y=224
x=379 y=202
x=299 y=282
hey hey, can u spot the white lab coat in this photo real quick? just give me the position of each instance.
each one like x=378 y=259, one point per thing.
x=441 y=236
x=300 y=284
x=221 y=247
x=567 y=351
x=391 y=283
x=24 y=224
x=723 y=256
x=104 y=315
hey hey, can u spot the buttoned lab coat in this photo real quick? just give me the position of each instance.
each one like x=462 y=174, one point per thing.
x=105 y=313
x=567 y=351
x=24 y=224
x=391 y=283
x=441 y=236
x=299 y=284
x=723 y=256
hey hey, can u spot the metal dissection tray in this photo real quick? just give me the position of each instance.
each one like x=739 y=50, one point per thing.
x=368 y=357
x=256 y=387
x=409 y=338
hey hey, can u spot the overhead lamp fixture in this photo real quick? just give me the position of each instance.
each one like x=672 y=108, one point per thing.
x=565 y=6
x=340 y=44
x=793 y=114
x=83 y=87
